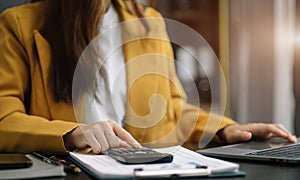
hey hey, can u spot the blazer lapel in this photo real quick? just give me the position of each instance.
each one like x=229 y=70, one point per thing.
x=58 y=110
x=44 y=53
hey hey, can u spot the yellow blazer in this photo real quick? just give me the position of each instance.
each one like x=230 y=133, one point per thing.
x=31 y=120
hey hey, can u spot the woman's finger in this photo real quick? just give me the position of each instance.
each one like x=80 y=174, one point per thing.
x=93 y=142
x=271 y=128
x=290 y=137
x=234 y=134
x=112 y=139
x=124 y=144
x=102 y=140
x=125 y=136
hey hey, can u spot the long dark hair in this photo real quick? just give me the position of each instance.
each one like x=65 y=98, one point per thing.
x=70 y=25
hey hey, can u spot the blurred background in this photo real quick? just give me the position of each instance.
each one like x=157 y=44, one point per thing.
x=257 y=43
x=4 y=4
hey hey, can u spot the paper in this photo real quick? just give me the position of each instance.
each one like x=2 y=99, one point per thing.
x=186 y=156
x=105 y=166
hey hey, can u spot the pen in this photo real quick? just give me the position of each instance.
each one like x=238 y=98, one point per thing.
x=44 y=159
x=70 y=167
x=171 y=173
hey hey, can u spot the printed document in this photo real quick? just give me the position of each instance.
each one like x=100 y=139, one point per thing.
x=105 y=166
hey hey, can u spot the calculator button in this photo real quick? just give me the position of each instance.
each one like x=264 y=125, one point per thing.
x=140 y=152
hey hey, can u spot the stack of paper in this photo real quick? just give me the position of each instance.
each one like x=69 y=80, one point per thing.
x=106 y=167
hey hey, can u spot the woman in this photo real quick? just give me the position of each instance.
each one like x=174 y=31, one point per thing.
x=40 y=45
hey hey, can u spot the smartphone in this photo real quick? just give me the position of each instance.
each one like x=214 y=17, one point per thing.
x=14 y=161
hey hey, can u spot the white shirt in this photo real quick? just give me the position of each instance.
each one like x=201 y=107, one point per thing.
x=110 y=103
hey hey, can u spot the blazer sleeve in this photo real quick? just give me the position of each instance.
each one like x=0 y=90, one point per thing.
x=19 y=131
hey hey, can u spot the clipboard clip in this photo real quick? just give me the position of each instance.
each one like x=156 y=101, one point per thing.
x=172 y=173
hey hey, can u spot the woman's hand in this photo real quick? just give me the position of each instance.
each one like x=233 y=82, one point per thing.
x=236 y=133
x=99 y=136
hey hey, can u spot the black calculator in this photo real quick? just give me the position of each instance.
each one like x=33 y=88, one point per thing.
x=138 y=156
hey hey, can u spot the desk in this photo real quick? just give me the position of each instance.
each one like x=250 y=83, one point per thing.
x=254 y=171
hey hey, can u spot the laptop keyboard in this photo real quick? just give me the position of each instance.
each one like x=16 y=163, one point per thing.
x=288 y=151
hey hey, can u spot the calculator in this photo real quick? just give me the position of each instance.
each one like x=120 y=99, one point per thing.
x=138 y=155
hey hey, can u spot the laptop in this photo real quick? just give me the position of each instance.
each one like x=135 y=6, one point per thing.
x=273 y=150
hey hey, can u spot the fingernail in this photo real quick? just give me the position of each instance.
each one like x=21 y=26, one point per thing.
x=137 y=145
x=294 y=138
x=247 y=136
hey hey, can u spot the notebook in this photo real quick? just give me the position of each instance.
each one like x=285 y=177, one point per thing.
x=273 y=150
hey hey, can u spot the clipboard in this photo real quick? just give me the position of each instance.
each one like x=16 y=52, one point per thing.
x=186 y=164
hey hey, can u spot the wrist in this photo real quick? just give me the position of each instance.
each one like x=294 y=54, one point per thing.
x=68 y=141
x=221 y=136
